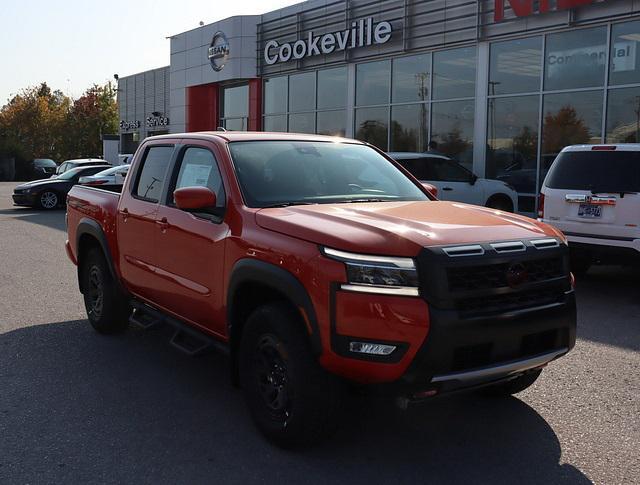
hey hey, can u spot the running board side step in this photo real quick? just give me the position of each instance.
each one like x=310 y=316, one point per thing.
x=186 y=338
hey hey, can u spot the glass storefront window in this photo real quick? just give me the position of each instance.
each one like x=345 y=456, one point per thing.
x=372 y=83
x=235 y=101
x=569 y=119
x=332 y=123
x=302 y=123
x=454 y=73
x=332 y=88
x=411 y=79
x=372 y=125
x=235 y=124
x=275 y=95
x=409 y=127
x=452 y=129
x=512 y=149
x=623 y=115
x=575 y=59
x=302 y=92
x=624 y=58
x=515 y=66
x=275 y=123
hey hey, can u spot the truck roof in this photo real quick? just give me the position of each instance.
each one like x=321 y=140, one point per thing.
x=231 y=136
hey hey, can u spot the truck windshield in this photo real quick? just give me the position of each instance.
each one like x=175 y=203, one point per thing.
x=278 y=173
x=598 y=171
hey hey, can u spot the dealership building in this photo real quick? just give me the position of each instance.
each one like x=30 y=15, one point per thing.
x=499 y=85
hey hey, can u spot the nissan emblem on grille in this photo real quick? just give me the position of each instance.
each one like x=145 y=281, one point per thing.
x=517 y=275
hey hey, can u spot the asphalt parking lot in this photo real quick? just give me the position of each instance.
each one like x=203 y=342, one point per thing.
x=76 y=407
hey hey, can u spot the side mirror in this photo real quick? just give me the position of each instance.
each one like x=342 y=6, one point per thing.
x=194 y=198
x=473 y=179
x=432 y=189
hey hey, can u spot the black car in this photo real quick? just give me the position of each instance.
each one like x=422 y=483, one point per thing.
x=51 y=193
x=39 y=168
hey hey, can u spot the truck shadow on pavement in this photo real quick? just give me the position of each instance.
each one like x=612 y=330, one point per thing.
x=53 y=219
x=76 y=407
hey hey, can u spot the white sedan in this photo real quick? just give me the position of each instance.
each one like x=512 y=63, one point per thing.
x=456 y=183
x=110 y=176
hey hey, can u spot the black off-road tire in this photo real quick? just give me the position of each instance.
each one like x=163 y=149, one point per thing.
x=292 y=400
x=108 y=310
x=514 y=386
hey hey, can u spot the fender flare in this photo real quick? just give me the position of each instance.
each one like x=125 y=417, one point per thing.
x=90 y=227
x=267 y=274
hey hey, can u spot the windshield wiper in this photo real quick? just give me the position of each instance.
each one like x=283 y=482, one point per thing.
x=354 y=201
x=288 y=204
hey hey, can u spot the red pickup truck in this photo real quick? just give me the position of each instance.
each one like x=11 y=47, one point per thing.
x=318 y=262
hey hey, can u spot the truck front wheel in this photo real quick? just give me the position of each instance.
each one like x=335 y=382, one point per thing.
x=514 y=386
x=107 y=310
x=293 y=401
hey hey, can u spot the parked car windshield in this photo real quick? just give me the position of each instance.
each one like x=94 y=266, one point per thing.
x=275 y=173
x=600 y=171
x=44 y=162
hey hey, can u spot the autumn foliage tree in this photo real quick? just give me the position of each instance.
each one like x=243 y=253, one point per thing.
x=564 y=128
x=41 y=123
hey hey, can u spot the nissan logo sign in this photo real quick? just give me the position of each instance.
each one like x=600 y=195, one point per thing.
x=218 y=51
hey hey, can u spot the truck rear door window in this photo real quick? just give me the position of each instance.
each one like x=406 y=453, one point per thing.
x=600 y=171
x=153 y=173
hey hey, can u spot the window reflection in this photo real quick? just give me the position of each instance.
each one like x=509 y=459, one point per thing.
x=625 y=53
x=411 y=79
x=332 y=88
x=372 y=125
x=302 y=91
x=275 y=123
x=372 y=83
x=302 y=123
x=576 y=59
x=515 y=66
x=454 y=73
x=275 y=95
x=409 y=127
x=623 y=116
x=235 y=101
x=512 y=150
x=569 y=119
x=452 y=129
x=332 y=123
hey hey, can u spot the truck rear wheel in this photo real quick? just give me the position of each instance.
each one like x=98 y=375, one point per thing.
x=107 y=309
x=293 y=401
x=514 y=386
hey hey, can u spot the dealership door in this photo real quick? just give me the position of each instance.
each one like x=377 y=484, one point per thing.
x=234 y=113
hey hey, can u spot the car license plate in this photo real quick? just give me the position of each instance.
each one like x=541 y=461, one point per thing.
x=590 y=210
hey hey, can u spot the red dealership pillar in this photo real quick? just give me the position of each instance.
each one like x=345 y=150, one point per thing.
x=255 y=105
x=202 y=107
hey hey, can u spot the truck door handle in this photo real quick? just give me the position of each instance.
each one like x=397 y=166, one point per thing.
x=125 y=214
x=448 y=189
x=163 y=223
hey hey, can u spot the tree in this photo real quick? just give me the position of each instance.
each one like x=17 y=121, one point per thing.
x=93 y=114
x=33 y=122
x=562 y=129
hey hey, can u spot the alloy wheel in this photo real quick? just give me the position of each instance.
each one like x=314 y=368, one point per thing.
x=96 y=292
x=272 y=378
x=49 y=200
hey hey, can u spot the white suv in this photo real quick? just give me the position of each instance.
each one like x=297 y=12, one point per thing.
x=592 y=194
x=454 y=182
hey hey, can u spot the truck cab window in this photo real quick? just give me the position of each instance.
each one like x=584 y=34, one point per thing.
x=153 y=173
x=199 y=169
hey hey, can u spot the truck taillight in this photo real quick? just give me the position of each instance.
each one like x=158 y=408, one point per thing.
x=541 y=206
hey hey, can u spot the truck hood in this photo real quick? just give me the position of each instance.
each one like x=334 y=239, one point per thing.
x=399 y=228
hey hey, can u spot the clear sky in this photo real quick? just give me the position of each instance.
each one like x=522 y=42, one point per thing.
x=72 y=44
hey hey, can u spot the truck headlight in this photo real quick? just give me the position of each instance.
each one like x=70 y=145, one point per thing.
x=377 y=274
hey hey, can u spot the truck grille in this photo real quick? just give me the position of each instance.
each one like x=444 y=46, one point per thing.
x=483 y=277
x=490 y=282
